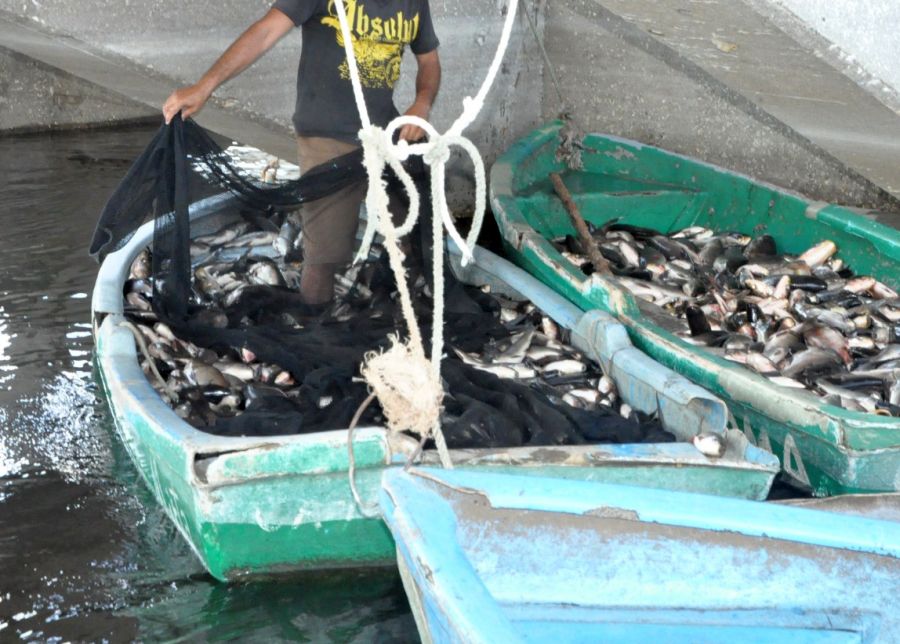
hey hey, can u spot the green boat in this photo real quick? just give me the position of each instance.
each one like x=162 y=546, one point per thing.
x=268 y=505
x=823 y=448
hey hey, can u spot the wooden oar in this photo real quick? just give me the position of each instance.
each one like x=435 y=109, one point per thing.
x=584 y=235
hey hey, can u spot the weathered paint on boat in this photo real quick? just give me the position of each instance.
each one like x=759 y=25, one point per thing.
x=260 y=506
x=493 y=558
x=823 y=448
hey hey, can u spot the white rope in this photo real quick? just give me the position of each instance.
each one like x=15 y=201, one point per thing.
x=408 y=386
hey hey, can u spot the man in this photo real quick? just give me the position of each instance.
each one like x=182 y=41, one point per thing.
x=326 y=119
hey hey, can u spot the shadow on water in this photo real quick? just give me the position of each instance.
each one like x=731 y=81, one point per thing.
x=85 y=552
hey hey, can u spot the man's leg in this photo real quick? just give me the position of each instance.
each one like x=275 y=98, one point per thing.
x=317 y=283
x=329 y=224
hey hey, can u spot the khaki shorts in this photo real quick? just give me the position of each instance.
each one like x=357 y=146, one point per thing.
x=330 y=223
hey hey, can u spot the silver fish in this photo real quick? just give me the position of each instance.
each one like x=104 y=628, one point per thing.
x=589 y=396
x=511 y=351
x=539 y=354
x=565 y=367
x=787 y=382
x=250 y=240
x=202 y=375
x=507 y=371
x=811 y=359
x=223 y=235
x=708 y=444
x=241 y=371
x=549 y=328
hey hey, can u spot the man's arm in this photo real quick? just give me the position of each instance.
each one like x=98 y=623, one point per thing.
x=243 y=52
x=428 y=81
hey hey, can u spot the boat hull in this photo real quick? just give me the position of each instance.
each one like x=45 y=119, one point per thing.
x=487 y=558
x=272 y=505
x=823 y=449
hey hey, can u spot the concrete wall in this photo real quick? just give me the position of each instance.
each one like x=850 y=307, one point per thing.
x=644 y=69
x=179 y=41
x=34 y=96
x=864 y=29
x=622 y=79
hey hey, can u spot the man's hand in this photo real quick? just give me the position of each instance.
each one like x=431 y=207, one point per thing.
x=428 y=80
x=187 y=100
x=414 y=133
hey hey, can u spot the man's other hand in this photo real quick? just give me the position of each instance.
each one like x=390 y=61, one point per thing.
x=187 y=100
x=428 y=80
x=414 y=133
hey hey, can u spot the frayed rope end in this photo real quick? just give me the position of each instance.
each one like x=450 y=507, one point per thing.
x=404 y=382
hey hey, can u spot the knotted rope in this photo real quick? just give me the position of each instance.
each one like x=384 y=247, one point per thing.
x=407 y=384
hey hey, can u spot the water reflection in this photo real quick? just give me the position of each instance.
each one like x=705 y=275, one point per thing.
x=7 y=369
x=85 y=552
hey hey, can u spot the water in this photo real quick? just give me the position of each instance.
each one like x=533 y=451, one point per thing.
x=85 y=552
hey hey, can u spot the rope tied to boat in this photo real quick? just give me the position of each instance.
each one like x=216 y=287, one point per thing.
x=407 y=383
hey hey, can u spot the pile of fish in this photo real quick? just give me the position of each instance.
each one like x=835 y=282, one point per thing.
x=802 y=321
x=255 y=359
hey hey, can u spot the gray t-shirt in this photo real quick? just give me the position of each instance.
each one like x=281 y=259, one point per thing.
x=381 y=29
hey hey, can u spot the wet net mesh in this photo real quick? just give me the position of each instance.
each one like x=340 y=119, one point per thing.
x=322 y=350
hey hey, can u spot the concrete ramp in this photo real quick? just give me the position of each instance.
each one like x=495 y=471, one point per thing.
x=721 y=80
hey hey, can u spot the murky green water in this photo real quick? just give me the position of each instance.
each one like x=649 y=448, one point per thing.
x=85 y=552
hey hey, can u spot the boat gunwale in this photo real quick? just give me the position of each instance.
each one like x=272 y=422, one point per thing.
x=761 y=519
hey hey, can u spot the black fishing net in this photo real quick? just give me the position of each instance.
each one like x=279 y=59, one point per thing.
x=305 y=363
x=160 y=186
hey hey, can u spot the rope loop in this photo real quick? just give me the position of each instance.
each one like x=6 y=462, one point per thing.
x=410 y=392
x=438 y=154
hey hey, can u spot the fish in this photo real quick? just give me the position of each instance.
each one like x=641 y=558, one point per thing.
x=894 y=393
x=566 y=367
x=206 y=282
x=142 y=266
x=506 y=371
x=790 y=383
x=818 y=254
x=709 y=444
x=510 y=371
x=760 y=363
x=700 y=328
x=762 y=246
x=252 y=239
x=825 y=337
x=139 y=302
x=287 y=234
x=811 y=360
x=265 y=272
x=782 y=288
x=539 y=354
x=606 y=386
x=882 y=291
x=549 y=328
x=512 y=350
x=508 y=315
x=789 y=317
x=589 y=396
x=223 y=236
x=199 y=374
x=695 y=233
x=888 y=354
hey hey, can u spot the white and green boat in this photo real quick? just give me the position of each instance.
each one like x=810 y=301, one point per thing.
x=268 y=505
